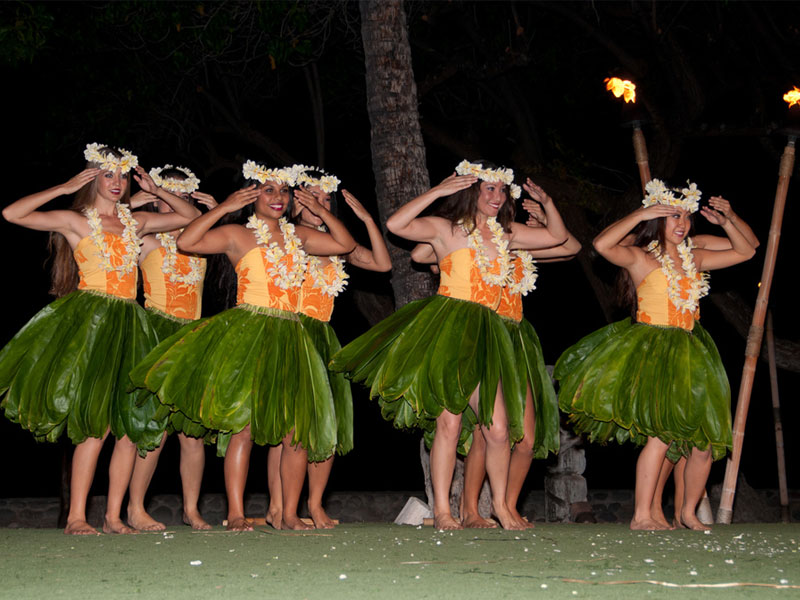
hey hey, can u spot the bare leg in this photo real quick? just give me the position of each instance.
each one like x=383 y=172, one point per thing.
x=678 y=475
x=498 y=458
x=294 y=461
x=193 y=461
x=474 y=474
x=443 y=461
x=657 y=509
x=275 y=510
x=120 y=470
x=237 y=464
x=697 y=468
x=318 y=474
x=84 y=464
x=521 y=459
x=648 y=468
x=143 y=470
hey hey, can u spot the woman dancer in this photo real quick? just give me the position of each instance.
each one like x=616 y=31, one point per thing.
x=173 y=291
x=252 y=372
x=540 y=434
x=325 y=278
x=658 y=381
x=67 y=368
x=434 y=357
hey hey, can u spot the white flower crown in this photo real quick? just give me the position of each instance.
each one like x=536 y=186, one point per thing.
x=256 y=172
x=687 y=198
x=181 y=186
x=327 y=183
x=109 y=162
x=503 y=175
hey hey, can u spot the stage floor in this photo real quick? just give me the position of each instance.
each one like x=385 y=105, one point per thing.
x=383 y=560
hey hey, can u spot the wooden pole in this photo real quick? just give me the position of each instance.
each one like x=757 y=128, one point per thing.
x=756 y=335
x=640 y=151
x=776 y=414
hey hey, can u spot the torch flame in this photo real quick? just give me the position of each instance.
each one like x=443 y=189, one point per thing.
x=620 y=87
x=792 y=97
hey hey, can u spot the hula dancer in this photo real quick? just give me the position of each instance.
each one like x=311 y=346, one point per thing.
x=657 y=380
x=173 y=292
x=67 y=368
x=325 y=277
x=435 y=357
x=252 y=372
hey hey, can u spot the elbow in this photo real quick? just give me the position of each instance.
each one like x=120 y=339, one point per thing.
x=392 y=225
x=384 y=268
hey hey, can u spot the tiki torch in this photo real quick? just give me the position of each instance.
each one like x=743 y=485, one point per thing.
x=625 y=89
x=756 y=333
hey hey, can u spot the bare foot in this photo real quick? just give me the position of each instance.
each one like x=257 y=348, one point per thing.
x=676 y=524
x=658 y=517
x=691 y=521
x=117 y=526
x=195 y=521
x=239 y=524
x=294 y=522
x=321 y=518
x=80 y=528
x=475 y=521
x=647 y=525
x=275 y=517
x=445 y=521
x=525 y=523
x=507 y=520
x=144 y=522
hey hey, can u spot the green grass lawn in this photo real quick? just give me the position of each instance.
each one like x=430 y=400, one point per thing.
x=391 y=561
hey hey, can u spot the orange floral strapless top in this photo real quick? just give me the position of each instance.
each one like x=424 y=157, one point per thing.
x=181 y=299
x=510 y=305
x=461 y=278
x=655 y=307
x=257 y=287
x=314 y=302
x=94 y=278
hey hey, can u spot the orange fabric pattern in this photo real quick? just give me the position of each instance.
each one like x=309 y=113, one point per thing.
x=655 y=307
x=313 y=301
x=178 y=299
x=94 y=278
x=256 y=286
x=461 y=278
x=510 y=305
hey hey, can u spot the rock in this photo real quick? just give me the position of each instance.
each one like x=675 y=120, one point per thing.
x=413 y=513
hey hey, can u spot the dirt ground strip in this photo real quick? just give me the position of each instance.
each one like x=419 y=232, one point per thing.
x=369 y=560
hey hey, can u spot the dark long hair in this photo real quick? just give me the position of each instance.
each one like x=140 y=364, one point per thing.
x=644 y=233
x=463 y=205
x=64 y=270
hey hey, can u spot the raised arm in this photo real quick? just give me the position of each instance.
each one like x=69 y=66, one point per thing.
x=337 y=241
x=740 y=250
x=25 y=211
x=720 y=206
x=537 y=218
x=376 y=257
x=608 y=242
x=406 y=222
x=199 y=238
x=183 y=213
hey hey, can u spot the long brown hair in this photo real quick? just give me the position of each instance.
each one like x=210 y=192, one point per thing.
x=64 y=270
x=463 y=205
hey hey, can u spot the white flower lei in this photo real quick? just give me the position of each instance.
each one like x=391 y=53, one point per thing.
x=502 y=175
x=317 y=274
x=529 y=275
x=132 y=241
x=475 y=242
x=109 y=162
x=292 y=245
x=327 y=183
x=181 y=186
x=256 y=172
x=195 y=274
x=698 y=287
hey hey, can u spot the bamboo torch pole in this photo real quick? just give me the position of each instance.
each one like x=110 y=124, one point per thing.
x=756 y=335
x=776 y=413
x=640 y=151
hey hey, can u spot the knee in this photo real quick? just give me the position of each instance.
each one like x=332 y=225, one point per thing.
x=448 y=426
x=524 y=447
x=496 y=435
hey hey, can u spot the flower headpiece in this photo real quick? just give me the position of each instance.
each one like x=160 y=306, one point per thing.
x=257 y=172
x=327 y=183
x=687 y=198
x=180 y=186
x=501 y=174
x=109 y=162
